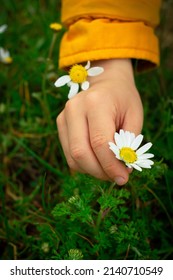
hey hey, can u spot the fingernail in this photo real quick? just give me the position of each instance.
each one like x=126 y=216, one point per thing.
x=120 y=180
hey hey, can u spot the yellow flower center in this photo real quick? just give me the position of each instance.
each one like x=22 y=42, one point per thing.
x=78 y=74
x=8 y=59
x=55 y=26
x=128 y=155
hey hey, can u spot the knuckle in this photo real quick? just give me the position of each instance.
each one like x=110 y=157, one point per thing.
x=77 y=153
x=58 y=120
x=92 y=99
x=59 y=124
x=71 y=163
x=97 y=141
x=70 y=105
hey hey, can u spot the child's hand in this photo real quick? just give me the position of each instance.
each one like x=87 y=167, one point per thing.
x=90 y=119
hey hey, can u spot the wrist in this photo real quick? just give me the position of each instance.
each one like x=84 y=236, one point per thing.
x=120 y=68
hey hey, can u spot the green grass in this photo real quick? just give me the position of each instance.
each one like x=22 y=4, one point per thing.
x=46 y=212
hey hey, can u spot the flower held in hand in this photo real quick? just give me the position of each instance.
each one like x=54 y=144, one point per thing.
x=126 y=149
x=78 y=76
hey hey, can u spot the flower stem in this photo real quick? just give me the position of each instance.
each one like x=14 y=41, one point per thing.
x=45 y=100
x=52 y=45
x=98 y=221
x=46 y=104
x=102 y=213
x=111 y=187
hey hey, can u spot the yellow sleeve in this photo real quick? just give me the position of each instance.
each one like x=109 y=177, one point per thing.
x=109 y=29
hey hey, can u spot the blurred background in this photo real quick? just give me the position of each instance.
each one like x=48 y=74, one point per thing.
x=34 y=176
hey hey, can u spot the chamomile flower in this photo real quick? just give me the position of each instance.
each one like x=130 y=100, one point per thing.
x=126 y=149
x=3 y=28
x=78 y=77
x=55 y=26
x=5 y=56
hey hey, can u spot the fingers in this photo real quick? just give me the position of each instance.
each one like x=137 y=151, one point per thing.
x=63 y=136
x=73 y=134
x=101 y=124
x=85 y=127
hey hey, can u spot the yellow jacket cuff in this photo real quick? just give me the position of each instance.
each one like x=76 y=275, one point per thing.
x=112 y=29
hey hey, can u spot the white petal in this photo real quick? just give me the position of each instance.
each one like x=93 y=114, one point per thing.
x=143 y=149
x=129 y=165
x=94 y=71
x=85 y=85
x=136 y=142
x=4 y=53
x=118 y=157
x=136 y=166
x=145 y=156
x=87 y=66
x=118 y=140
x=114 y=149
x=144 y=165
x=73 y=90
x=145 y=161
x=132 y=135
x=128 y=139
x=3 y=28
x=122 y=133
x=62 y=81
